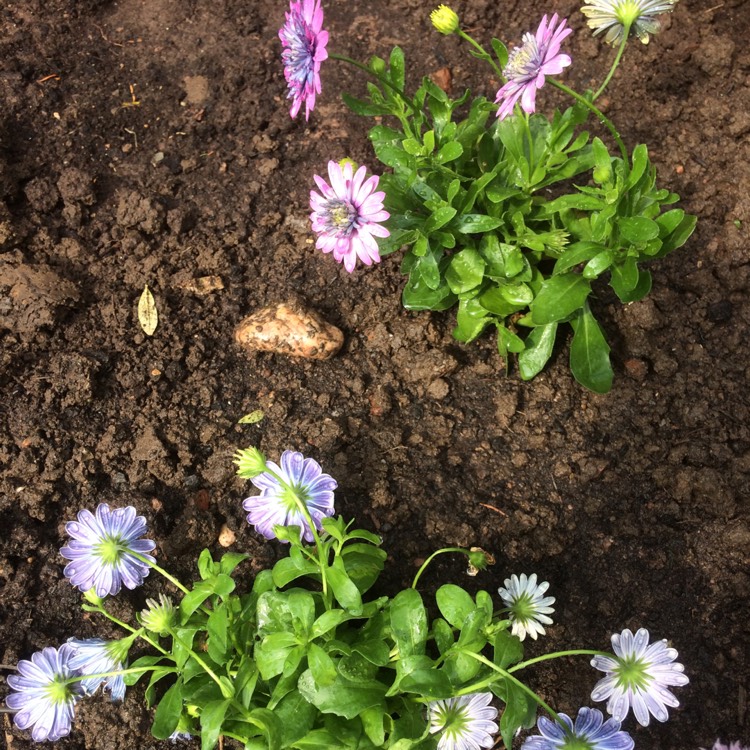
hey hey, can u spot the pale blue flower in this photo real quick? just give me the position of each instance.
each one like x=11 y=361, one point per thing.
x=97 y=656
x=302 y=480
x=101 y=550
x=612 y=16
x=528 y=608
x=42 y=697
x=590 y=732
x=464 y=723
x=638 y=676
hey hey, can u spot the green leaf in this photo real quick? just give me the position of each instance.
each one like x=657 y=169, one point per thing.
x=679 y=236
x=212 y=718
x=366 y=109
x=343 y=697
x=508 y=649
x=577 y=201
x=168 y=712
x=638 y=229
x=602 y=162
x=589 y=354
x=476 y=223
x=429 y=683
x=579 y=252
x=268 y=723
x=454 y=604
x=520 y=710
x=344 y=589
x=321 y=665
x=493 y=301
x=507 y=341
x=143 y=661
x=639 y=291
x=503 y=261
x=501 y=52
x=329 y=620
x=517 y=294
x=443 y=634
x=465 y=271
x=364 y=564
x=230 y=561
x=296 y=718
x=538 y=350
x=438 y=218
x=373 y=722
x=417 y=295
x=271 y=653
x=639 y=163
x=598 y=264
x=206 y=565
x=624 y=276
x=471 y=320
x=559 y=297
x=217 y=626
x=409 y=622
x=397 y=65
x=449 y=152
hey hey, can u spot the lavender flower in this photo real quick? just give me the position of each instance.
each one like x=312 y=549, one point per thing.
x=346 y=215
x=304 y=43
x=527 y=607
x=464 y=723
x=297 y=479
x=537 y=57
x=102 y=550
x=638 y=676
x=614 y=16
x=43 y=698
x=97 y=656
x=590 y=732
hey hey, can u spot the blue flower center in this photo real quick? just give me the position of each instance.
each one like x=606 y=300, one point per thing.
x=341 y=217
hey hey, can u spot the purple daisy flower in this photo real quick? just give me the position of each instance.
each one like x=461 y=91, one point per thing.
x=102 y=550
x=590 y=731
x=43 y=698
x=537 y=57
x=638 y=676
x=298 y=478
x=97 y=656
x=464 y=723
x=304 y=43
x=346 y=215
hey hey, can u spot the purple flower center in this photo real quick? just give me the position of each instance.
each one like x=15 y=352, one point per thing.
x=524 y=61
x=299 y=56
x=340 y=216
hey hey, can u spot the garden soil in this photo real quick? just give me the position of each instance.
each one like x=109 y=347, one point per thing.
x=149 y=142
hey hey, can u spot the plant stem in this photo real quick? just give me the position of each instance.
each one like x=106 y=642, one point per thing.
x=203 y=664
x=600 y=115
x=615 y=64
x=556 y=655
x=431 y=558
x=139 y=632
x=158 y=569
x=482 y=52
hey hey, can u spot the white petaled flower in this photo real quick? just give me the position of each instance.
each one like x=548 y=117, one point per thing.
x=638 y=676
x=732 y=746
x=464 y=723
x=612 y=17
x=528 y=608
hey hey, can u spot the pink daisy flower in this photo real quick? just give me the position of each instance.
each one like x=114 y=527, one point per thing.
x=304 y=43
x=537 y=57
x=346 y=215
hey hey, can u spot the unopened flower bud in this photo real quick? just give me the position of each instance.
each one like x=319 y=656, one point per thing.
x=250 y=462
x=479 y=560
x=159 y=617
x=445 y=20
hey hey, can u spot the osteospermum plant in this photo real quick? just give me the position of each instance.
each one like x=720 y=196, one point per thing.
x=511 y=217
x=304 y=656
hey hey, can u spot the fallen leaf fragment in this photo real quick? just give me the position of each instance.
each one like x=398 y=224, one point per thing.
x=443 y=78
x=287 y=328
x=147 y=314
x=204 y=285
x=253 y=417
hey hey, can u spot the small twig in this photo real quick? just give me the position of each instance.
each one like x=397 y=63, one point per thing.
x=49 y=77
x=108 y=41
x=497 y=510
x=11 y=667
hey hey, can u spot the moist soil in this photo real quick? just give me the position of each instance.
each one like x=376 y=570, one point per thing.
x=149 y=142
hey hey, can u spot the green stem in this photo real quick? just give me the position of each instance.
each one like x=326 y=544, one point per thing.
x=600 y=115
x=556 y=655
x=431 y=558
x=615 y=64
x=117 y=672
x=163 y=572
x=203 y=664
x=482 y=52
x=139 y=632
x=507 y=675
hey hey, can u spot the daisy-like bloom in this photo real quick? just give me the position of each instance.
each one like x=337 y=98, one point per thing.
x=97 y=656
x=464 y=723
x=537 y=57
x=102 y=547
x=732 y=746
x=638 y=676
x=304 y=43
x=42 y=697
x=612 y=17
x=346 y=215
x=277 y=505
x=528 y=608
x=590 y=732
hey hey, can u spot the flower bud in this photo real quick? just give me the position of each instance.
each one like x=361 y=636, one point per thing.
x=445 y=20
x=250 y=462
x=159 y=617
x=479 y=560
x=92 y=597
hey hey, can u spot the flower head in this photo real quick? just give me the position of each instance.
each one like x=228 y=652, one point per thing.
x=346 y=215
x=638 y=676
x=614 y=16
x=464 y=723
x=304 y=43
x=445 y=19
x=284 y=489
x=102 y=547
x=527 y=607
x=537 y=57
x=159 y=617
x=732 y=746
x=590 y=732
x=97 y=656
x=42 y=698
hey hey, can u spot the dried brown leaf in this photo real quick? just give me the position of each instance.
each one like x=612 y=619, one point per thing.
x=148 y=317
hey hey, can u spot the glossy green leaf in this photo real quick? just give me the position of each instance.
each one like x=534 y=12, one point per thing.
x=471 y=320
x=538 y=350
x=438 y=218
x=638 y=229
x=598 y=264
x=212 y=718
x=343 y=697
x=321 y=665
x=559 y=297
x=397 y=65
x=589 y=354
x=508 y=649
x=409 y=622
x=454 y=604
x=501 y=52
x=449 y=152
x=465 y=271
x=168 y=712
x=344 y=589
x=476 y=223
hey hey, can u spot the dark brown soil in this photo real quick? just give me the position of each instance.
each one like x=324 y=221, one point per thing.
x=148 y=141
